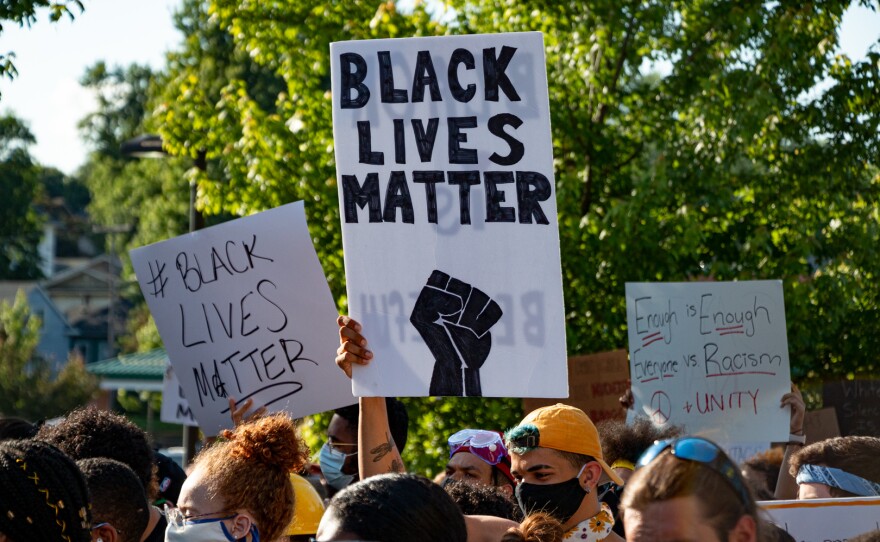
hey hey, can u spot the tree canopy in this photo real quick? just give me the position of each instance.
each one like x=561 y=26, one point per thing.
x=693 y=141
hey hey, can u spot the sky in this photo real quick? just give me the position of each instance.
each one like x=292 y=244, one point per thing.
x=51 y=58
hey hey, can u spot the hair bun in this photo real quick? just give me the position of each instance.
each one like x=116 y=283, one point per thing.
x=271 y=440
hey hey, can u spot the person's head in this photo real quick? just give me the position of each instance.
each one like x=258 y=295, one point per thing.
x=688 y=489
x=241 y=484
x=538 y=527
x=838 y=467
x=170 y=478
x=477 y=456
x=307 y=510
x=120 y=511
x=393 y=508
x=339 y=462
x=761 y=472
x=43 y=496
x=482 y=500
x=12 y=427
x=557 y=459
x=623 y=444
x=92 y=432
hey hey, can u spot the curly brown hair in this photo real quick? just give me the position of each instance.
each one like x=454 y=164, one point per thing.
x=249 y=468
x=538 y=527
x=856 y=455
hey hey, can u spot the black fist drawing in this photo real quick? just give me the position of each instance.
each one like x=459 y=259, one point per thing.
x=454 y=320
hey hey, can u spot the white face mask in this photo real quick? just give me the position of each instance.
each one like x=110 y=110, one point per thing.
x=203 y=531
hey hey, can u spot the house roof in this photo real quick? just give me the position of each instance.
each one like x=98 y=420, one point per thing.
x=139 y=366
x=9 y=288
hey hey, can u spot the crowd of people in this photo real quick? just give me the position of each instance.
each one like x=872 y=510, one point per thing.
x=553 y=477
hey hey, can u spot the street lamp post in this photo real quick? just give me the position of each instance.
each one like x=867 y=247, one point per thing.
x=151 y=146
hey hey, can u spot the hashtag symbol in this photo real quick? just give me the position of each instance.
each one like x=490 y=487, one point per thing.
x=158 y=281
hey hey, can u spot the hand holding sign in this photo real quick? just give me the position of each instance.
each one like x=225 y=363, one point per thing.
x=454 y=319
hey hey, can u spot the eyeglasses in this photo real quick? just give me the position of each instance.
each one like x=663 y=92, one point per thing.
x=176 y=517
x=701 y=451
x=487 y=445
x=343 y=447
x=103 y=524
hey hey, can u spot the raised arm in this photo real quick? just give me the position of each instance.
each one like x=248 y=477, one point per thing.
x=786 y=486
x=378 y=452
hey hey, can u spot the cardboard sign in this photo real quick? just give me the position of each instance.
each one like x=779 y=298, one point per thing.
x=596 y=382
x=448 y=204
x=175 y=407
x=858 y=405
x=711 y=356
x=821 y=424
x=825 y=520
x=741 y=451
x=244 y=311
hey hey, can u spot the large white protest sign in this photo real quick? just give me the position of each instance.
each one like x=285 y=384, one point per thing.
x=825 y=520
x=244 y=311
x=712 y=356
x=445 y=172
x=175 y=407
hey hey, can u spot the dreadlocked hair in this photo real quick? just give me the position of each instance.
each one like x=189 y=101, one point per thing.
x=250 y=470
x=44 y=496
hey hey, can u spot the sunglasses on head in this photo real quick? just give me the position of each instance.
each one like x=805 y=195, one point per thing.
x=701 y=451
x=487 y=445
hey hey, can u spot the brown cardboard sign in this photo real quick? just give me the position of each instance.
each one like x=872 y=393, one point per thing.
x=595 y=383
x=821 y=424
x=858 y=405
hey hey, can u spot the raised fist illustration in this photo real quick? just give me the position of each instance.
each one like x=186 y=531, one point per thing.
x=454 y=319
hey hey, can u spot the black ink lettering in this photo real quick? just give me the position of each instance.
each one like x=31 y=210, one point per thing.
x=250 y=355
x=228 y=329
x=397 y=195
x=157 y=280
x=202 y=385
x=399 y=142
x=390 y=95
x=464 y=180
x=249 y=251
x=229 y=258
x=245 y=316
x=228 y=361
x=494 y=197
x=353 y=80
x=531 y=189
x=365 y=153
x=296 y=357
x=461 y=56
x=429 y=179
x=267 y=362
x=494 y=76
x=425 y=76
x=354 y=195
x=207 y=323
x=266 y=297
x=425 y=140
x=183 y=330
x=496 y=128
x=217 y=262
x=458 y=155
x=186 y=272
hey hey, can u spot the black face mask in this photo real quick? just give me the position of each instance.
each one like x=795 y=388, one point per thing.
x=559 y=500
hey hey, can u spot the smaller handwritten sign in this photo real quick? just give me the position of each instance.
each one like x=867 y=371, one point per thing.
x=244 y=311
x=825 y=520
x=711 y=356
x=595 y=383
x=858 y=405
x=175 y=407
